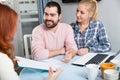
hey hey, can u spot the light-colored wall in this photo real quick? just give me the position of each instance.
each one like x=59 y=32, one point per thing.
x=109 y=14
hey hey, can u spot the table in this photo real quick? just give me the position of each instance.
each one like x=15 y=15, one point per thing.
x=70 y=72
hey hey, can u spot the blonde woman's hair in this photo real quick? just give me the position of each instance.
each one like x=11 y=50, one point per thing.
x=93 y=6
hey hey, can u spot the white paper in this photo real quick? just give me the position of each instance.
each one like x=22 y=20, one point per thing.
x=43 y=64
x=55 y=63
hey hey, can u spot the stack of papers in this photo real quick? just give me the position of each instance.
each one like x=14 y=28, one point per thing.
x=42 y=64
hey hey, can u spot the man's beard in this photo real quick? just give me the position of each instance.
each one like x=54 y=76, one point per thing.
x=51 y=25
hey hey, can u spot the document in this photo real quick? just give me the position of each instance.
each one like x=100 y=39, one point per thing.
x=42 y=64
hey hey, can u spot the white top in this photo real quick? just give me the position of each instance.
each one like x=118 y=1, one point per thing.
x=7 y=71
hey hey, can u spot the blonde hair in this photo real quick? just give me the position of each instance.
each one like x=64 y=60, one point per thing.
x=93 y=6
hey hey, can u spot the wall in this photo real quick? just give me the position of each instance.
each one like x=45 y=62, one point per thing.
x=109 y=14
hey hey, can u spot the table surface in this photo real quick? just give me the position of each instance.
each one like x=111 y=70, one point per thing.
x=70 y=72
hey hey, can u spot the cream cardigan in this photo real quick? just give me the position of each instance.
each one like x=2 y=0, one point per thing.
x=7 y=71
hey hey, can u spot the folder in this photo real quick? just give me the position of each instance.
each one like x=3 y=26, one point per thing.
x=42 y=64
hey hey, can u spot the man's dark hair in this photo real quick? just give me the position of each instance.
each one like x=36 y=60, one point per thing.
x=54 y=4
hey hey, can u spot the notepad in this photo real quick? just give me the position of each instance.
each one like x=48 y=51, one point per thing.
x=43 y=64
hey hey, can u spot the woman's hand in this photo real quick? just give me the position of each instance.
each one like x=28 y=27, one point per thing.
x=53 y=75
x=15 y=60
x=82 y=51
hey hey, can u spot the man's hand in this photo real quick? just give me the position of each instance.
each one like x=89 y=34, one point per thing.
x=56 y=52
x=62 y=51
x=68 y=55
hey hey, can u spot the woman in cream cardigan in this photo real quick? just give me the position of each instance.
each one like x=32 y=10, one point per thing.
x=8 y=20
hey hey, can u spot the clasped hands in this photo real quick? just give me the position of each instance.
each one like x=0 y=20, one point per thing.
x=71 y=53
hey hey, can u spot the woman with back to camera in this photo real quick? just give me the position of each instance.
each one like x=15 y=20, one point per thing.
x=8 y=20
x=90 y=34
